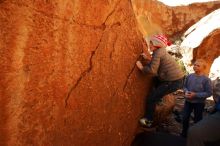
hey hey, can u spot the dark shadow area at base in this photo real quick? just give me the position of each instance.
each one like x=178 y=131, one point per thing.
x=158 y=139
x=215 y=143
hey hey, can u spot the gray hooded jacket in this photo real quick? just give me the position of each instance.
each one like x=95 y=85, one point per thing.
x=164 y=66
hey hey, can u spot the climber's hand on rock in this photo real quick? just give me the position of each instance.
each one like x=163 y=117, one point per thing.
x=139 y=65
x=146 y=57
x=143 y=55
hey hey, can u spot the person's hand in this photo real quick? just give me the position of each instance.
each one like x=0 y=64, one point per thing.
x=189 y=94
x=143 y=55
x=139 y=65
x=146 y=57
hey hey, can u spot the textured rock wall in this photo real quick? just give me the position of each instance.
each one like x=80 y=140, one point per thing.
x=154 y=16
x=68 y=74
x=209 y=49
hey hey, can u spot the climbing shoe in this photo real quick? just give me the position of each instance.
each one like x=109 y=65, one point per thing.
x=146 y=123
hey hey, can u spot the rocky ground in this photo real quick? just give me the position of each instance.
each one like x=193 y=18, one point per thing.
x=168 y=132
x=173 y=123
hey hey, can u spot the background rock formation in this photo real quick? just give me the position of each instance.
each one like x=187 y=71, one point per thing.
x=154 y=16
x=201 y=40
x=68 y=74
x=209 y=49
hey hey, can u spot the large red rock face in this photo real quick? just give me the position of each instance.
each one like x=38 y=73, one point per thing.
x=156 y=17
x=68 y=74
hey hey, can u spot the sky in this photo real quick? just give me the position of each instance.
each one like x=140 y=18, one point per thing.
x=183 y=2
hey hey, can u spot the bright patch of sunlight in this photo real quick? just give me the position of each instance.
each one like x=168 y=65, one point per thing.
x=215 y=69
x=182 y=2
x=196 y=33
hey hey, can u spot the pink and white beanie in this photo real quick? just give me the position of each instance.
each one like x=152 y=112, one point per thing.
x=160 y=41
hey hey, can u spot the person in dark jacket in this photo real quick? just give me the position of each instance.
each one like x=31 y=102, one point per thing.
x=197 y=88
x=165 y=68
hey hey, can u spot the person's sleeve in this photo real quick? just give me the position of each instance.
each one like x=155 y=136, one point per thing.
x=208 y=90
x=153 y=66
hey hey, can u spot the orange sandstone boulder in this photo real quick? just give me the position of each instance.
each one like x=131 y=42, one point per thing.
x=68 y=74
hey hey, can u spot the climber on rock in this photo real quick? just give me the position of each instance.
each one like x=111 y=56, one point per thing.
x=168 y=73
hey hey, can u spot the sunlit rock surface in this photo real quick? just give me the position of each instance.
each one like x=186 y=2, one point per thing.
x=68 y=74
x=154 y=16
x=202 y=40
x=183 y=2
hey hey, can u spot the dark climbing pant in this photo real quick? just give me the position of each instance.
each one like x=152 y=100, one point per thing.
x=158 y=93
x=198 y=109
